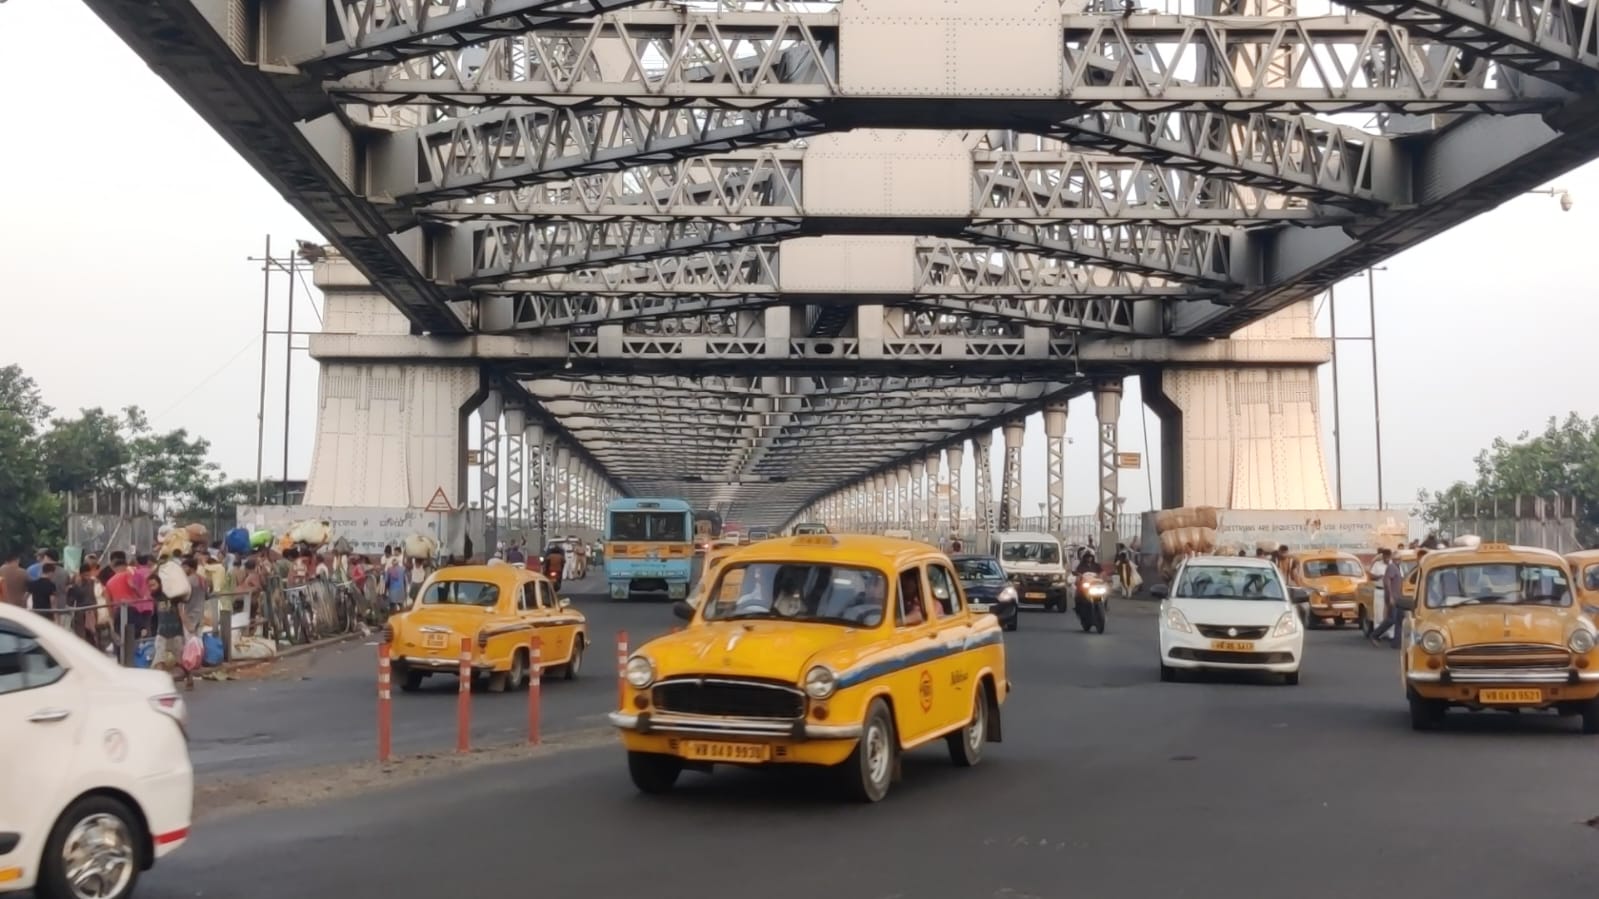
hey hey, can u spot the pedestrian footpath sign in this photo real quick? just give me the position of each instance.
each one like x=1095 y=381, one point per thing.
x=439 y=502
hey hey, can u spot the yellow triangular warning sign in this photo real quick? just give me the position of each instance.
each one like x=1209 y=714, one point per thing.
x=439 y=502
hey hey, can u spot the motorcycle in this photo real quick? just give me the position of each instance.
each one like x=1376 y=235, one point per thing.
x=1090 y=601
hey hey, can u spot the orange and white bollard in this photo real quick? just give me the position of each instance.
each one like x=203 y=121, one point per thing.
x=621 y=668
x=463 y=703
x=535 y=656
x=385 y=712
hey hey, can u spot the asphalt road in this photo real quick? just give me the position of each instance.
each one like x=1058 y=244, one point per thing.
x=1110 y=784
x=322 y=708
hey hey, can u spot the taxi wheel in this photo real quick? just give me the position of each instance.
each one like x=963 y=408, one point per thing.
x=571 y=669
x=869 y=770
x=1425 y=714
x=411 y=681
x=1590 y=717
x=966 y=744
x=516 y=678
x=652 y=772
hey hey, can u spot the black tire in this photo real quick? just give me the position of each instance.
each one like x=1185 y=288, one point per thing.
x=516 y=678
x=653 y=773
x=869 y=771
x=966 y=745
x=411 y=681
x=571 y=669
x=1014 y=622
x=125 y=843
x=1168 y=674
x=1426 y=714
x=1363 y=621
x=1291 y=679
x=1099 y=618
x=1590 y=717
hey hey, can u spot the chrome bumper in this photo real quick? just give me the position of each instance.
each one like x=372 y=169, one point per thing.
x=444 y=666
x=1504 y=676
x=655 y=722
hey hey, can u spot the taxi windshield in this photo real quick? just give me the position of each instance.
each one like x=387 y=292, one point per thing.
x=1029 y=551
x=1222 y=582
x=1332 y=568
x=979 y=570
x=1499 y=583
x=460 y=593
x=799 y=591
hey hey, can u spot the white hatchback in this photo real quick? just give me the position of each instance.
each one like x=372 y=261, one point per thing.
x=1230 y=613
x=95 y=782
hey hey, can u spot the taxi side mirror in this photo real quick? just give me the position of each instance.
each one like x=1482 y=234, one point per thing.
x=1408 y=603
x=683 y=610
x=1160 y=591
x=564 y=603
x=1298 y=595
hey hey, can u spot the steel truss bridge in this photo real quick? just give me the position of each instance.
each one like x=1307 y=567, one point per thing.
x=675 y=234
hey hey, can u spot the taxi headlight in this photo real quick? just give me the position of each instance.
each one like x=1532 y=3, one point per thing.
x=640 y=672
x=1007 y=595
x=1177 y=621
x=1581 y=641
x=1432 y=642
x=820 y=682
x=1287 y=625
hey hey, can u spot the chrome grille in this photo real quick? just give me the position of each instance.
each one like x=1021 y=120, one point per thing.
x=1502 y=655
x=1220 y=632
x=728 y=698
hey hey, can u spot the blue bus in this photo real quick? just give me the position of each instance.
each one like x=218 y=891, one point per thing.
x=649 y=547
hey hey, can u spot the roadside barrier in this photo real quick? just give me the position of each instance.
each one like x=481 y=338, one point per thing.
x=463 y=702
x=621 y=669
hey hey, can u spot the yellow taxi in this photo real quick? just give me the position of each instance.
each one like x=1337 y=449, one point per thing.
x=1498 y=627
x=833 y=650
x=1372 y=598
x=1585 y=578
x=498 y=608
x=1333 y=578
x=714 y=557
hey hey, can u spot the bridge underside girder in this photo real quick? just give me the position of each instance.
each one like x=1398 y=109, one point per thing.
x=631 y=214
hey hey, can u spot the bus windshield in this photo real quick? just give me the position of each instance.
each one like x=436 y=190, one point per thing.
x=661 y=527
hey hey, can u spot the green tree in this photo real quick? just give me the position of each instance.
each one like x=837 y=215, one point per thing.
x=171 y=466
x=1563 y=460
x=85 y=454
x=29 y=514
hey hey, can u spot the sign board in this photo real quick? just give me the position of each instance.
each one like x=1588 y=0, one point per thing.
x=439 y=502
x=371 y=529
x=1353 y=531
x=474 y=457
x=1129 y=460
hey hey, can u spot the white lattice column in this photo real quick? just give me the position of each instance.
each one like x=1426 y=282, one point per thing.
x=903 y=477
x=489 y=468
x=1055 y=438
x=1010 y=497
x=934 y=520
x=515 y=471
x=1108 y=409
x=954 y=456
x=879 y=502
x=534 y=435
x=918 y=481
x=563 y=490
x=984 y=486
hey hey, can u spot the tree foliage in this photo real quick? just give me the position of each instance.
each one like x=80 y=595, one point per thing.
x=1563 y=460
x=93 y=451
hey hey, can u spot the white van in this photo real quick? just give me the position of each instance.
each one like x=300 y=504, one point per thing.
x=1036 y=563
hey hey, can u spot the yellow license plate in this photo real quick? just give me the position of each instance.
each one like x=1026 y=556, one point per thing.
x=705 y=751
x=1510 y=696
x=1037 y=596
x=436 y=641
x=1232 y=645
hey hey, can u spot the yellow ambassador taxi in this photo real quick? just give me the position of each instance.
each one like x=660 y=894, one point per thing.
x=497 y=607
x=833 y=650
x=1498 y=627
x=1333 y=579
x=1585 y=577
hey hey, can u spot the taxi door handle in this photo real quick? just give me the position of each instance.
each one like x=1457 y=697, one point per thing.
x=49 y=716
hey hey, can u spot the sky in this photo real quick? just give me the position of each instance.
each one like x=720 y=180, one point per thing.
x=129 y=226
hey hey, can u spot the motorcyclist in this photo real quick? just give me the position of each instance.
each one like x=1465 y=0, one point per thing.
x=555 y=563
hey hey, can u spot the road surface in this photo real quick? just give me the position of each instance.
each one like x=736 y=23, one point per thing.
x=1110 y=784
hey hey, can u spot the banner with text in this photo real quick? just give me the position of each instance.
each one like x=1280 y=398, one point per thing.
x=369 y=530
x=1355 y=531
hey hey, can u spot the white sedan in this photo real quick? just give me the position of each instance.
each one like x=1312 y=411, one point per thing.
x=1230 y=613
x=95 y=782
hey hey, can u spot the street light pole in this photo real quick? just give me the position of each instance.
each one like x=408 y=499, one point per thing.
x=260 y=414
x=1338 y=429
